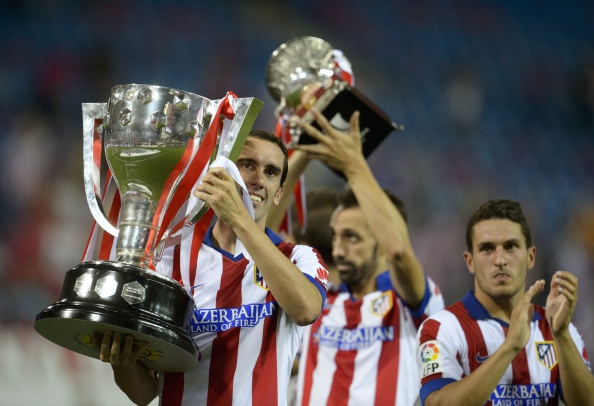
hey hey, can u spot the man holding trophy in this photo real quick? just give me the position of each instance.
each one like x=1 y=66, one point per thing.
x=194 y=314
x=361 y=350
x=252 y=292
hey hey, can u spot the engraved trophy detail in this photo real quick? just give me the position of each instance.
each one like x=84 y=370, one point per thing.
x=156 y=141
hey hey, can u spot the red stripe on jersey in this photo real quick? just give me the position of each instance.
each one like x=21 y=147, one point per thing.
x=389 y=358
x=430 y=330
x=429 y=333
x=173 y=389
x=226 y=345
x=312 y=351
x=474 y=336
x=520 y=371
x=264 y=379
x=343 y=377
x=547 y=334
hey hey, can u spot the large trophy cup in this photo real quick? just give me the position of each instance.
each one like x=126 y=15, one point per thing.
x=156 y=141
x=308 y=72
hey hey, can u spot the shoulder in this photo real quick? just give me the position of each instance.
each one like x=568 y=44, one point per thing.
x=444 y=321
x=300 y=252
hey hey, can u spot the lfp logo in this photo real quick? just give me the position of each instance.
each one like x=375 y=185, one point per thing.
x=430 y=354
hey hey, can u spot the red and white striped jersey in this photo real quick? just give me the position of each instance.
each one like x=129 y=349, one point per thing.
x=456 y=341
x=362 y=352
x=247 y=342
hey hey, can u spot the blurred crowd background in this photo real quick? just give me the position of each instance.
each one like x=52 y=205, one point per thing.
x=496 y=97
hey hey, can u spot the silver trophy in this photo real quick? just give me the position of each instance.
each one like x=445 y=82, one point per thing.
x=305 y=72
x=150 y=136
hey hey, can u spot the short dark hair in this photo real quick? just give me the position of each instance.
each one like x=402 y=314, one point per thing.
x=270 y=137
x=347 y=199
x=503 y=209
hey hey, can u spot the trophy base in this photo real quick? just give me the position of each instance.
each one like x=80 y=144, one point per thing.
x=337 y=103
x=103 y=295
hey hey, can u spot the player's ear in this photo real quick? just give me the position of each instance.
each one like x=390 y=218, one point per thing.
x=531 y=257
x=469 y=262
x=278 y=195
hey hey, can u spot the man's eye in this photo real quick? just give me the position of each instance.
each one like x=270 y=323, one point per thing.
x=352 y=237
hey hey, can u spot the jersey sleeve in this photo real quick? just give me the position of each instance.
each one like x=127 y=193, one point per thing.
x=438 y=354
x=432 y=301
x=310 y=263
x=580 y=345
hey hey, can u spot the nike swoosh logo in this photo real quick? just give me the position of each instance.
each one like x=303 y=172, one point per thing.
x=481 y=359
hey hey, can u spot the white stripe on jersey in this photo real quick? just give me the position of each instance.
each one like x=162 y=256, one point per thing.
x=347 y=360
x=449 y=332
x=249 y=307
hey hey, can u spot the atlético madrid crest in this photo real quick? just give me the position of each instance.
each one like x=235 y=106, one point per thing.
x=546 y=353
x=382 y=305
x=259 y=279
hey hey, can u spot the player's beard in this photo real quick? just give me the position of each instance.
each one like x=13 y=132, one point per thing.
x=357 y=275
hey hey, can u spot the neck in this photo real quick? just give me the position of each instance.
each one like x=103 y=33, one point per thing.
x=224 y=237
x=367 y=286
x=499 y=308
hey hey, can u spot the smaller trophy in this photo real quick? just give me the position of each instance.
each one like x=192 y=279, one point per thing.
x=308 y=72
x=156 y=141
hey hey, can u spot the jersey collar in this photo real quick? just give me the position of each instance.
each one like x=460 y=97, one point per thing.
x=382 y=281
x=478 y=312
x=276 y=240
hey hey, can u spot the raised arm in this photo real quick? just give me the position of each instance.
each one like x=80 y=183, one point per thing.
x=343 y=152
x=577 y=381
x=294 y=293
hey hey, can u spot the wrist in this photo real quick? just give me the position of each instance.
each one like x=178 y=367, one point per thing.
x=563 y=336
x=357 y=168
x=510 y=349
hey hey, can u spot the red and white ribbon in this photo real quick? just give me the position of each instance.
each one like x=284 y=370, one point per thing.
x=193 y=163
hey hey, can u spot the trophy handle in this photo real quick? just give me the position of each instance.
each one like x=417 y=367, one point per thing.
x=93 y=115
x=246 y=111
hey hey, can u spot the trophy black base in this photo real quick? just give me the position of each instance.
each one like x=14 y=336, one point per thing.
x=337 y=103
x=103 y=295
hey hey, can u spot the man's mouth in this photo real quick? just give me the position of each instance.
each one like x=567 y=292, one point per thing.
x=255 y=199
x=501 y=276
x=344 y=267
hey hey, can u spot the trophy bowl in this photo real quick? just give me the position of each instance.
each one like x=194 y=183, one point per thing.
x=152 y=137
x=308 y=72
x=296 y=66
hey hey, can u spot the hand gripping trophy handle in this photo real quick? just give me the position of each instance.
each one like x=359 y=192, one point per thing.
x=157 y=142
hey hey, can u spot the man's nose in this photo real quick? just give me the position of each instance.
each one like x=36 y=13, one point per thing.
x=337 y=249
x=500 y=256
x=257 y=178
